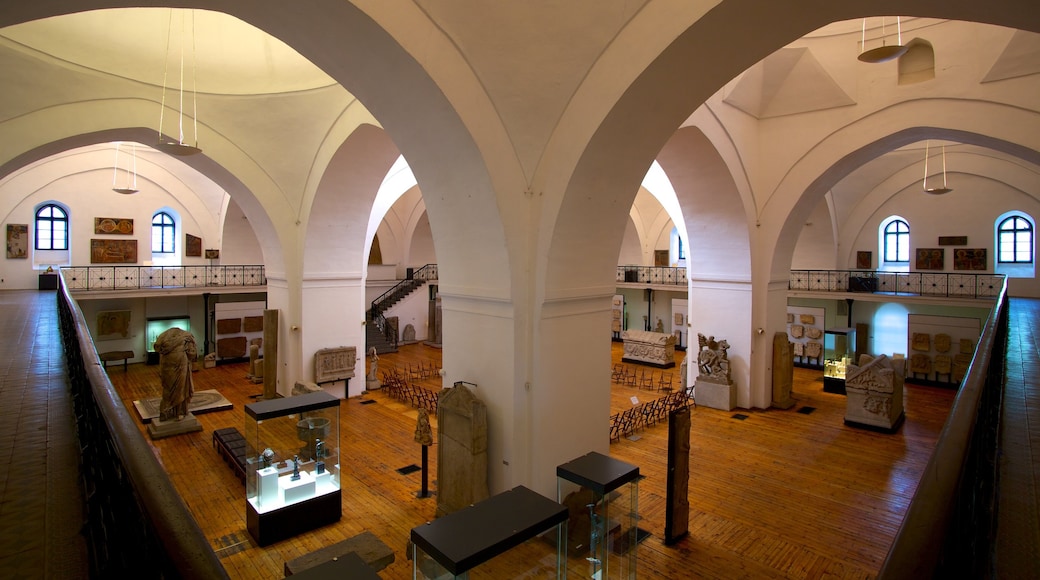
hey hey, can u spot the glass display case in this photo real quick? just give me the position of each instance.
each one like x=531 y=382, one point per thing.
x=292 y=467
x=839 y=351
x=515 y=534
x=157 y=325
x=601 y=494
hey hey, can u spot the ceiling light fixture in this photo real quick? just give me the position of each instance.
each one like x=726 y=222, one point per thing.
x=130 y=187
x=180 y=147
x=935 y=190
x=885 y=52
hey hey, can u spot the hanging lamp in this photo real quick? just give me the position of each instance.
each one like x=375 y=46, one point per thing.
x=885 y=52
x=179 y=147
x=935 y=190
x=129 y=186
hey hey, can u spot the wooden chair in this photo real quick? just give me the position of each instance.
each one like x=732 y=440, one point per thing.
x=617 y=373
x=646 y=381
x=665 y=382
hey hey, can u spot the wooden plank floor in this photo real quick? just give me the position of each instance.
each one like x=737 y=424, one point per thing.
x=779 y=494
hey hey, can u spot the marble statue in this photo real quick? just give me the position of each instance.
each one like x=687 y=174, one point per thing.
x=714 y=385
x=373 y=369
x=177 y=352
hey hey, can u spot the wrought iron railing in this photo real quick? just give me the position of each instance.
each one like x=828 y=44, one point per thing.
x=90 y=278
x=946 y=532
x=377 y=313
x=652 y=275
x=938 y=284
x=137 y=525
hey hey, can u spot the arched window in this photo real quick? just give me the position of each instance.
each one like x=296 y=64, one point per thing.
x=897 y=242
x=52 y=228
x=164 y=233
x=1015 y=241
x=682 y=251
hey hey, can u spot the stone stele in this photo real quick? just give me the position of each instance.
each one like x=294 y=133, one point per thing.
x=874 y=394
x=462 y=454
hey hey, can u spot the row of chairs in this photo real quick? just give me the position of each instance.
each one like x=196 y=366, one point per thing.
x=631 y=376
x=422 y=370
x=648 y=414
x=418 y=396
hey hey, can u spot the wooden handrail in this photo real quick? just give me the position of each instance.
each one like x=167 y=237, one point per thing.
x=184 y=550
x=929 y=542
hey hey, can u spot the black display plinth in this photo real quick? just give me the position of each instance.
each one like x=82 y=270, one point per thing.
x=598 y=472
x=279 y=524
x=48 y=281
x=833 y=385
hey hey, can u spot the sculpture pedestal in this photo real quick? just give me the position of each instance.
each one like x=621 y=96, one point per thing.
x=158 y=428
x=373 y=385
x=716 y=395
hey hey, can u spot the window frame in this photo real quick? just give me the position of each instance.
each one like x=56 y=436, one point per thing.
x=170 y=225
x=896 y=235
x=1015 y=232
x=51 y=220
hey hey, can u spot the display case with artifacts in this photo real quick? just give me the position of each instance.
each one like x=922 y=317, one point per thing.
x=292 y=477
x=839 y=351
x=516 y=534
x=601 y=494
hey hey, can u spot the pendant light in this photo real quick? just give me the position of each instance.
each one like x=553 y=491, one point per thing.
x=935 y=190
x=128 y=187
x=179 y=147
x=885 y=52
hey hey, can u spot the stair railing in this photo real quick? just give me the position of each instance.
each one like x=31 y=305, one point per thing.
x=383 y=302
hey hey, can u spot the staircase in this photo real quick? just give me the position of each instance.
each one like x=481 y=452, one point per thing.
x=378 y=332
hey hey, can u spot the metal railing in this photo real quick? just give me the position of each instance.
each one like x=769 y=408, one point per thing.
x=947 y=529
x=90 y=278
x=382 y=303
x=137 y=525
x=670 y=276
x=938 y=284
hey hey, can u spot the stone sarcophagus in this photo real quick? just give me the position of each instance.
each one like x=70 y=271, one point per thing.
x=874 y=394
x=649 y=348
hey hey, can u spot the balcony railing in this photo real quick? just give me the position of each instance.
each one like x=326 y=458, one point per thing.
x=937 y=284
x=652 y=275
x=91 y=278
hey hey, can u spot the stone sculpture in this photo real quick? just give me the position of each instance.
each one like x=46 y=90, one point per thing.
x=807 y=318
x=653 y=348
x=177 y=353
x=920 y=363
x=874 y=394
x=372 y=383
x=783 y=371
x=714 y=387
x=423 y=431
x=942 y=342
x=814 y=350
x=797 y=331
x=462 y=451
x=814 y=332
x=921 y=342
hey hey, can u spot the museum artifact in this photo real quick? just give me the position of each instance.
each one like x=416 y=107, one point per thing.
x=677 y=486
x=424 y=437
x=462 y=451
x=714 y=386
x=649 y=348
x=921 y=342
x=372 y=383
x=319 y=456
x=303 y=492
x=783 y=371
x=295 y=468
x=942 y=342
x=177 y=352
x=875 y=394
x=797 y=331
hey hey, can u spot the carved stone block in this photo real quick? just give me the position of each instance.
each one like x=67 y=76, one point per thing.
x=334 y=364
x=654 y=348
x=797 y=331
x=253 y=323
x=807 y=318
x=921 y=342
x=814 y=332
x=229 y=325
x=920 y=363
x=232 y=347
x=462 y=457
x=874 y=394
x=942 y=343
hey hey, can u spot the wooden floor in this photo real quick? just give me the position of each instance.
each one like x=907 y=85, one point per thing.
x=776 y=494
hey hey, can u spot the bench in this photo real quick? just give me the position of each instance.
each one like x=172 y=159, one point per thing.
x=370 y=548
x=233 y=448
x=114 y=355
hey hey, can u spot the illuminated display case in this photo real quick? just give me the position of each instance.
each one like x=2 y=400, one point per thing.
x=515 y=534
x=292 y=473
x=601 y=494
x=839 y=351
x=158 y=325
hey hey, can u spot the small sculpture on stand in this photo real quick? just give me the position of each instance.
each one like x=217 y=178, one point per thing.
x=265 y=458
x=372 y=380
x=424 y=437
x=295 y=468
x=319 y=454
